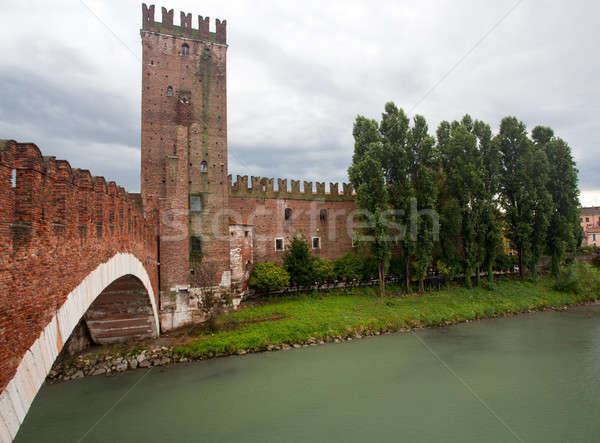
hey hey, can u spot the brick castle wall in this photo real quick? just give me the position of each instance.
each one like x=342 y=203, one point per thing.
x=257 y=203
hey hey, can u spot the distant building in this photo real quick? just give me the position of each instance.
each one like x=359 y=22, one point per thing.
x=590 y=223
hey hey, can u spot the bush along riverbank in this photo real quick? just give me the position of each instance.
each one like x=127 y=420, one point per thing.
x=339 y=315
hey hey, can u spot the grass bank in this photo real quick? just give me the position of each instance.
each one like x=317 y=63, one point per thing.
x=326 y=316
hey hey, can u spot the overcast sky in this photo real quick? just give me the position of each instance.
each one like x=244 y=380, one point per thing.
x=299 y=73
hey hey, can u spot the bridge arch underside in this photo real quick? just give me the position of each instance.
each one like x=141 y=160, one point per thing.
x=117 y=303
x=121 y=312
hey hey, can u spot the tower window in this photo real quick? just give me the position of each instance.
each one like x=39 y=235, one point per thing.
x=13 y=178
x=279 y=244
x=196 y=244
x=169 y=91
x=204 y=167
x=323 y=215
x=195 y=203
x=316 y=243
x=185 y=49
x=288 y=213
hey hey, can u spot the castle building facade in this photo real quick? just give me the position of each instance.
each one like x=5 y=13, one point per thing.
x=211 y=231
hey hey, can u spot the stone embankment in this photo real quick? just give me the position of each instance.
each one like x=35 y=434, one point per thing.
x=115 y=363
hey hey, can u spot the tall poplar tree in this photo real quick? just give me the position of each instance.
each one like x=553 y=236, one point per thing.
x=409 y=159
x=367 y=176
x=523 y=187
x=564 y=229
x=490 y=229
x=422 y=146
x=514 y=147
x=399 y=163
x=468 y=206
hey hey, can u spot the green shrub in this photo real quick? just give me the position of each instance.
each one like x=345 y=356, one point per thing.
x=369 y=268
x=267 y=277
x=585 y=250
x=297 y=261
x=323 y=270
x=396 y=268
x=579 y=278
x=504 y=262
x=348 y=267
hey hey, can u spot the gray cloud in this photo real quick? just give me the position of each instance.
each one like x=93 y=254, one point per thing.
x=299 y=73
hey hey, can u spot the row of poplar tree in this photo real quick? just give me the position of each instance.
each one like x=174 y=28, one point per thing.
x=449 y=201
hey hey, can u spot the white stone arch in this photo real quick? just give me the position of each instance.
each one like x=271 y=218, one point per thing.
x=20 y=392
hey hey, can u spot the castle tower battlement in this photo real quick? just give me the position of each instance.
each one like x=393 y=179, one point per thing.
x=185 y=28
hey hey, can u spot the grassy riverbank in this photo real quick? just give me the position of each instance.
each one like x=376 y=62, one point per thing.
x=325 y=316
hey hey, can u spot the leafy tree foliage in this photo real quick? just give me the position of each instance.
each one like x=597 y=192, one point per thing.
x=349 y=267
x=469 y=165
x=483 y=187
x=323 y=270
x=268 y=277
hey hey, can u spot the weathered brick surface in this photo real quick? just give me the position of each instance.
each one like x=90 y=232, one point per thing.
x=57 y=224
x=122 y=311
x=267 y=217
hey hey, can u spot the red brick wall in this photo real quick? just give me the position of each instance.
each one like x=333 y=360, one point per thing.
x=56 y=226
x=267 y=215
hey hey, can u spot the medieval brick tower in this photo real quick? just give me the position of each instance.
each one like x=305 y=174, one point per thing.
x=184 y=148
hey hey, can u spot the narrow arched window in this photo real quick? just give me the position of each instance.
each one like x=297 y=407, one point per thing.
x=185 y=49
x=204 y=167
x=323 y=215
x=169 y=91
x=288 y=213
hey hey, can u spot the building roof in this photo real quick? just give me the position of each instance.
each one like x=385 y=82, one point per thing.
x=591 y=210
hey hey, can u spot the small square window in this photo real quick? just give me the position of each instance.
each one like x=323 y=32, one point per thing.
x=245 y=233
x=316 y=243
x=279 y=244
x=587 y=219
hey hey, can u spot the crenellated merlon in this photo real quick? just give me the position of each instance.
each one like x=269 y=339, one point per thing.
x=262 y=187
x=185 y=28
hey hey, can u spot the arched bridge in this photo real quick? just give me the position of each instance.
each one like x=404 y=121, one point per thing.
x=72 y=246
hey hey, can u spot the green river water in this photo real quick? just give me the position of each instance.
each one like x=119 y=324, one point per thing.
x=532 y=378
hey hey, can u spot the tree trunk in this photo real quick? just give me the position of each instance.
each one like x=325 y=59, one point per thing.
x=555 y=264
x=421 y=284
x=407 y=276
x=478 y=276
x=490 y=272
x=533 y=269
x=381 y=279
x=468 y=282
x=521 y=267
